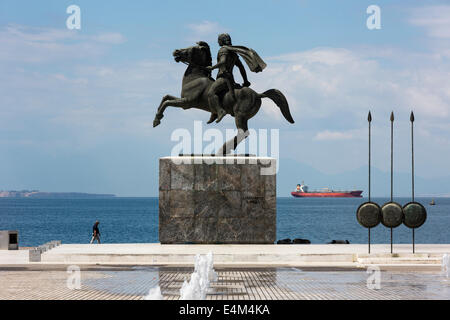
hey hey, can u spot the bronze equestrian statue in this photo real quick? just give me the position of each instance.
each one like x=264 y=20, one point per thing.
x=222 y=96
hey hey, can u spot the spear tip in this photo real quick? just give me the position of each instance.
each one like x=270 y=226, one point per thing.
x=392 y=116
x=369 y=117
x=412 y=117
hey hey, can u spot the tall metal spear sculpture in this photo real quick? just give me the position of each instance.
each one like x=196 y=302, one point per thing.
x=369 y=213
x=415 y=213
x=392 y=212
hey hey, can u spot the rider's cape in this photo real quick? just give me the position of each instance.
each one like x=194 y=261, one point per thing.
x=253 y=60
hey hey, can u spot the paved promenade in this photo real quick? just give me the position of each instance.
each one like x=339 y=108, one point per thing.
x=128 y=271
x=133 y=283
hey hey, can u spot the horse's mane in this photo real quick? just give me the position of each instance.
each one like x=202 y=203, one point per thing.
x=205 y=47
x=208 y=53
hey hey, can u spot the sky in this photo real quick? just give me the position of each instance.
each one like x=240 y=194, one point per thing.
x=77 y=106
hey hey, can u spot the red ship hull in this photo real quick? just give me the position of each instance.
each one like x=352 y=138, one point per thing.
x=332 y=194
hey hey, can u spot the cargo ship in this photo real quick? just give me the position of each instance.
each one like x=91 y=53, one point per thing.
x=303 y=192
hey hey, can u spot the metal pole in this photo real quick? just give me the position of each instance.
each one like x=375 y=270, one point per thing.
x=412 y=168
x=412 y=153
x=369 y=118
x=391 y=240
x=392 y=165
x=392 y=154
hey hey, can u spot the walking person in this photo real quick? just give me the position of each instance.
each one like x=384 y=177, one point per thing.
x=95 y=232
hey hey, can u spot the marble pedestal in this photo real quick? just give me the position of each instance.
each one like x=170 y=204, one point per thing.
x=209 y=200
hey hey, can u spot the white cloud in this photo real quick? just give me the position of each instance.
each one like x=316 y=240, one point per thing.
x=36 y=45
x=326 y=56
x=334 y=135
x=24 y=33
x=333 y=82
x=205 y=31
x=435 y=19
x=111 y=38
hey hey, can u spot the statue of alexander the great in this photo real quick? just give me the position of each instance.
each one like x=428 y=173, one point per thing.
x=222 y=96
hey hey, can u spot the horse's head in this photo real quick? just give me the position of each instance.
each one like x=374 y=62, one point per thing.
x=199 y=55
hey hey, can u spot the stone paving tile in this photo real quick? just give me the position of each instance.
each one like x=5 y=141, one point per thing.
x=232 y=284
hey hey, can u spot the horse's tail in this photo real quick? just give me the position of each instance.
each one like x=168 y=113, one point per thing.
x=280 y=100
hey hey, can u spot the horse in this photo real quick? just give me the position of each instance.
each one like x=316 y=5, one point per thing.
x=195 y=89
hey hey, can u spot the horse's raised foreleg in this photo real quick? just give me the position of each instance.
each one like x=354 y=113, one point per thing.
x=230 y=145
x=167 y=101
x=159 y=113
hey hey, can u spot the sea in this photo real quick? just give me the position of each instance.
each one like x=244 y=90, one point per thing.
x=135 y=220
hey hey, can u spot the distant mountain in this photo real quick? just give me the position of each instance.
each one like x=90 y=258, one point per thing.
x=51 y=195
x=292 y=172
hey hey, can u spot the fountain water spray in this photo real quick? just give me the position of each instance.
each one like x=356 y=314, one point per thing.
x=200 y=280
x=154 y=294
x=446 y=264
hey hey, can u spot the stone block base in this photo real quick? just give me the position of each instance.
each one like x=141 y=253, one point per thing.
x=209 y=200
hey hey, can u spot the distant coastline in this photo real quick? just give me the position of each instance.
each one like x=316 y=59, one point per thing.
x=51 y=195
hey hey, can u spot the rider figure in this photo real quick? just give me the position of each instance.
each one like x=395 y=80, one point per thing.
x=226 y=60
